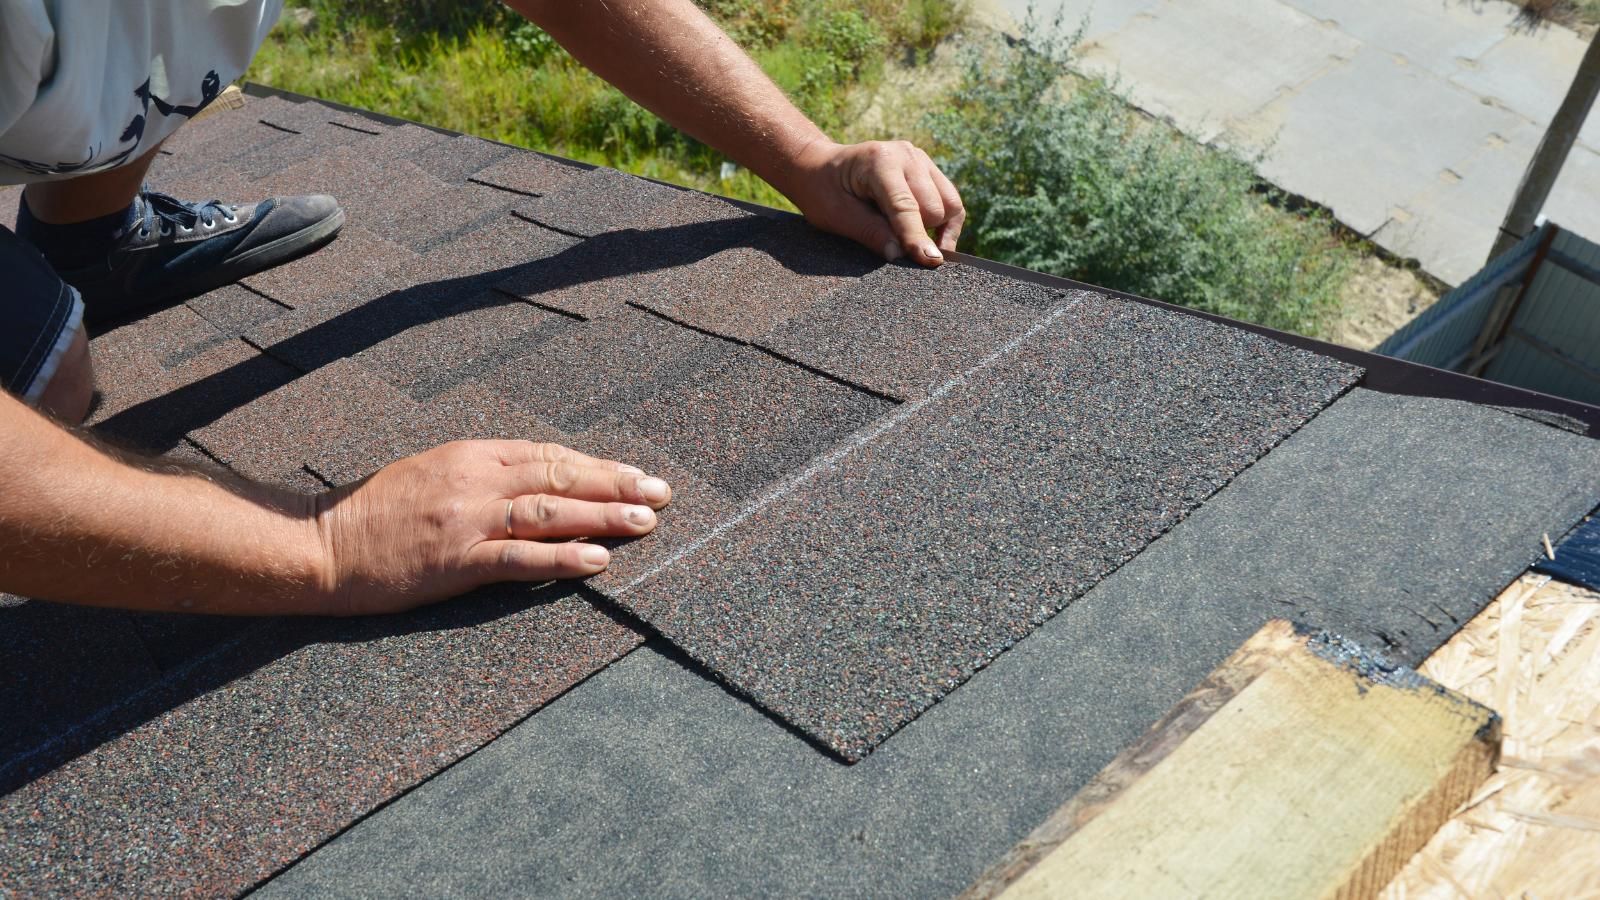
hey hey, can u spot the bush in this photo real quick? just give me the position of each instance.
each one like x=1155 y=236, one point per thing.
x=1067 y=180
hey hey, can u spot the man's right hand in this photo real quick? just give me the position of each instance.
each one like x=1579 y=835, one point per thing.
x=435 y=525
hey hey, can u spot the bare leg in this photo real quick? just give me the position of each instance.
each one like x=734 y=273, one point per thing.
x=71 y=388
x=88 y=196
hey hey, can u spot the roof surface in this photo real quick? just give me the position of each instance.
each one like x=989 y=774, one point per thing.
x=884 y=478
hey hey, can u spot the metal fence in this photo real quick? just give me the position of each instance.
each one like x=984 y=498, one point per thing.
x=1531 y=318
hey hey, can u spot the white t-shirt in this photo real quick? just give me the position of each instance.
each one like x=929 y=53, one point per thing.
x=87 y=85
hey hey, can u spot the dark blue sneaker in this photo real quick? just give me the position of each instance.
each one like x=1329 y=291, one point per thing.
x=172 y=250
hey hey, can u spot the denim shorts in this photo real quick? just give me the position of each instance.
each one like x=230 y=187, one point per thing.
x=39 y=316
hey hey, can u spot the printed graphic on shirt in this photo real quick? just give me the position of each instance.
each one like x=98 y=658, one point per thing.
x=132 y=136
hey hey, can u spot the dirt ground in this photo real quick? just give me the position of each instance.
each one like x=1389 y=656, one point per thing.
x=1378 y=299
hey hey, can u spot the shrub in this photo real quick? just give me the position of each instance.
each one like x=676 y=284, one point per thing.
x=1065 y=179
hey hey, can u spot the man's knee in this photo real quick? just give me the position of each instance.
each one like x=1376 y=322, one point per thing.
x=70 y=392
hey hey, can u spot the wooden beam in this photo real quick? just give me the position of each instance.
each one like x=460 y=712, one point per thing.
x=1302 y=767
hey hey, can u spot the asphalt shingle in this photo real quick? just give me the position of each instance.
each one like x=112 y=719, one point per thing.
x=907 y=559
x=903 y=329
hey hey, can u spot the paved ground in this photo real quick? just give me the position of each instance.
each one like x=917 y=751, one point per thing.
x=1411 y=119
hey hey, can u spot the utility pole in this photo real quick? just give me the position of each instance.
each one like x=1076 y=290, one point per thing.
x=1542 y=170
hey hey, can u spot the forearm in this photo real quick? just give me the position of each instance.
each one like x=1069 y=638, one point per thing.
x=82 y=525
x=673 y=60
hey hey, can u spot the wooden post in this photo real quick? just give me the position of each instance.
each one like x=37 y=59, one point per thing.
x=1547 y=161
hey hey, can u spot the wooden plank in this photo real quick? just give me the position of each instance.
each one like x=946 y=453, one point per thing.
x=1302 y=767
x=230 y=98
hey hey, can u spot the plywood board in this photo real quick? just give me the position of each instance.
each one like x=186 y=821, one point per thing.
x=1533 y=828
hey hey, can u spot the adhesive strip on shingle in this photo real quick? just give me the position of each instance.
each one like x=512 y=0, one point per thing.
x=743 y=424
x=595 y=202
x=744 y=291
x=904 y=329
x=597 y=371
x=242 y=762
x=857 y=595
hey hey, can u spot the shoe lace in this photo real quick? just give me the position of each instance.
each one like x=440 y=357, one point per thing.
x=166 y=212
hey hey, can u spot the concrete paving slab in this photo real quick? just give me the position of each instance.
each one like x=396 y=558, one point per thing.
x=1366 y=137
x=1441 y=37
x=1100 y=16
x=1529 y=73
x=1251 y=52
x=1452 y=222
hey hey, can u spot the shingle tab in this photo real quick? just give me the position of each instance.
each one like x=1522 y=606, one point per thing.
x=603 y=274
x=269 y=746
x=912 y=556
x=234 y=309
x=595 y=202
x=598 y=371
x=746 y=422
x=527 y=173
x=161 y=376
x=746 y=290
x=904 y=329
x=468 y=411
x=272 y=438
x=454 y=160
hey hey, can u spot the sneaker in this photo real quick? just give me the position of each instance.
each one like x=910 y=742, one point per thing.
x=173 y=250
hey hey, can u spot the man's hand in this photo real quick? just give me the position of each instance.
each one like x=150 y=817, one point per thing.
x=474 y=512
x=81 y=523
x=885 y=194
x=674 y=61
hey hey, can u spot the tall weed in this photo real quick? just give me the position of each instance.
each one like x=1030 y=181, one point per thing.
x=1061 y=177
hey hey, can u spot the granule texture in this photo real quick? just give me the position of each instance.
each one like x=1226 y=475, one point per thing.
x=906 y=560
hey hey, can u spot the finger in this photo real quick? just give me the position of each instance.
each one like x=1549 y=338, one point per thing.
x=492 y=561
x=580 y=482
x=540 y=516
x=929 y=202
x=955 y=212
x=893 y=195
x=514 y=453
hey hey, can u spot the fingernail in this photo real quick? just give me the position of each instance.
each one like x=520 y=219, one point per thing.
x=594 y=556
x=653 y=489
x=639 y=515
x=932 y=252
x=631 y=470
x=892 y=251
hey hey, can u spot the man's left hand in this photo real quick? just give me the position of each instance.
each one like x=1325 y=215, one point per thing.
x=885 y=194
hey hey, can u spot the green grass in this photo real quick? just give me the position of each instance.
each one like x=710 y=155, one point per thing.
x=472 y=66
